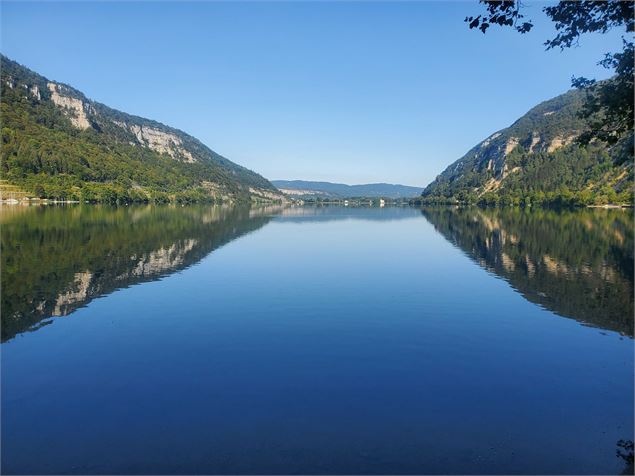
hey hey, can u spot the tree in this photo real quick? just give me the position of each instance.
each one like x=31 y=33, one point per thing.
x=609 y=104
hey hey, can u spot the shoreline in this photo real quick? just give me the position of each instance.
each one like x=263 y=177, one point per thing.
x=352 y=203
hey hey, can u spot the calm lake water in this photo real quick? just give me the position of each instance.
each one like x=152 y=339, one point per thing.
x=315 y=340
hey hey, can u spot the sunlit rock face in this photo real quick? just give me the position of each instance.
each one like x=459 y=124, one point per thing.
x=576 y=264
x=160 y=141
x=510 y=145
x=559 y=142
x=35 y=91
x=140 y=144
x=153 y=138
x=535 y=140
x=265 y=194
x=73 y=108
x=531 y=154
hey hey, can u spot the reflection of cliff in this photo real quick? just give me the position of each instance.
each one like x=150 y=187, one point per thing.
x=578 y=264
x=57 y=259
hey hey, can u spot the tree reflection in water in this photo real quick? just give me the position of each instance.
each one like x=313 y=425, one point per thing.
x=57 y=259
x=576 y=263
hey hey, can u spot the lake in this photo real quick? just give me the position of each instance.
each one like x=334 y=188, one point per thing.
x=149 y=339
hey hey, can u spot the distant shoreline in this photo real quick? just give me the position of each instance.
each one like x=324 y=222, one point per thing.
x=352 y=202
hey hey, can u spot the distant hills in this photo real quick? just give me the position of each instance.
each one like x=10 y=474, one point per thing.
x=59 y=144
x=537 y=160
x=325 y=190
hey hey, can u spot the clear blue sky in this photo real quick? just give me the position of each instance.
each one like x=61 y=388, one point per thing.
x=350 y=92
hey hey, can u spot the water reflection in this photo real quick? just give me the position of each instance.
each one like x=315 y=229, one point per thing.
x=57 y=259
x=325 y=213
x=578 y=264
x=315 y=346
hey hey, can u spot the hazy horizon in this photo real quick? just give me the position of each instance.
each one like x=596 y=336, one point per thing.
x=342 y=183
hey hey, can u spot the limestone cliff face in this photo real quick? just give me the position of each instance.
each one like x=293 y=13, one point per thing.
x=78 y=111
x=74 y=108
x=222 y=177
x=545 y=129
x=159 y=141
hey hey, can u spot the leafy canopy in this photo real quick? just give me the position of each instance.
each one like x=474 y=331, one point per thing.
x=609 y=105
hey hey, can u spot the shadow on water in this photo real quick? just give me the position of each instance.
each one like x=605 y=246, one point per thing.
x=625 y=453
x=578 y=264
x=57 y=259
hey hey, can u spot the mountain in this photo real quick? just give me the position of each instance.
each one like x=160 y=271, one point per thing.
x=537 y=159
x=57 y=143
x=306 y=189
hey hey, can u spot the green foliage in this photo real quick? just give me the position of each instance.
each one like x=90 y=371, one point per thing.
x=609 y=104
x=45 y=155
x=540 y=170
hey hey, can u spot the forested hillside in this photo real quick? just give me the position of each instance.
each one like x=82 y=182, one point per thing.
x=538 y=160
x=56 y=143
x=309 y=189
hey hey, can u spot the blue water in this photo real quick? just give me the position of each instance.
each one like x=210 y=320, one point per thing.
x=320 y=341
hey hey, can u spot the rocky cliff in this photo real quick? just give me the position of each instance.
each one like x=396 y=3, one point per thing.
x=58 y=141
x=538 y=154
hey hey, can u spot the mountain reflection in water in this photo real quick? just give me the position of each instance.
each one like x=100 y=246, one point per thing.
x=57 y=259
x=578 y=264
x=334 y=340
